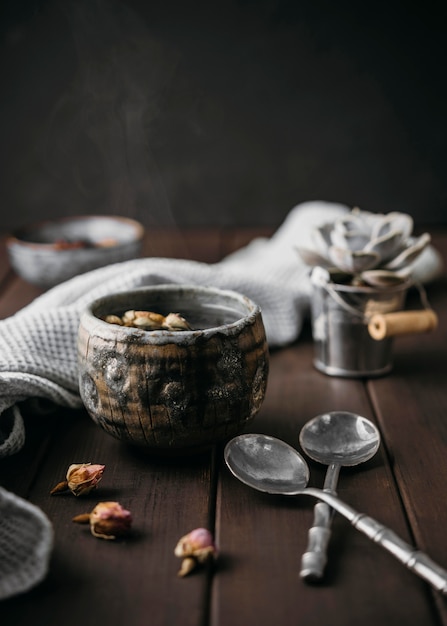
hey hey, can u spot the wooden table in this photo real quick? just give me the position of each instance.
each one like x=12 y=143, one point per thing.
x=260 y=537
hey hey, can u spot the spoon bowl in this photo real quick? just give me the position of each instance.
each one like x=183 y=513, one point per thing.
x=272 y=466
x=336 y=439
x=340 y=437
x=267 y=464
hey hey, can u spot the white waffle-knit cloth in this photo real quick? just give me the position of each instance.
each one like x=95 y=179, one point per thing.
x=26 y=540
x=38 y=344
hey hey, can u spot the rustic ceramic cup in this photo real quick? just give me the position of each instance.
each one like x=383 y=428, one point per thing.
x=174 y=391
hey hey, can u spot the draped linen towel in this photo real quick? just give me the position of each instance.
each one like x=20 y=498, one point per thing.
x=26 y=540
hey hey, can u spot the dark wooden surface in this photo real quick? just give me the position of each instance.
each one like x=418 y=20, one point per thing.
x=260 y=537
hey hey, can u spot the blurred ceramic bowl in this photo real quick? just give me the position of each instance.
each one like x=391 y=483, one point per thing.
x=174 y=391
x=50 y=252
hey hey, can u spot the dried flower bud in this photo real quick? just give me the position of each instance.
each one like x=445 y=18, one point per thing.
x=128 y=317
x=174 y=321
x=195 y=548
x=83 y=477
x=110 y=520
x=156 y=318
x=113 y=319
x=148 y=320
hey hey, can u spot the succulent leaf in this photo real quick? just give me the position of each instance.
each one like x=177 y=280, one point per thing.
x=352 y=262
x=410 y=254
x=385 y=278
x=353 y=240
x=386 y=245
x=371 y=248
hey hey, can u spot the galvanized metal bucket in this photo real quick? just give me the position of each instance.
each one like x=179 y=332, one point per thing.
x=341 y=313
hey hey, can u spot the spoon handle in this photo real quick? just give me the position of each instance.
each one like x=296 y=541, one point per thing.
x=314 y=559
x=415 y=560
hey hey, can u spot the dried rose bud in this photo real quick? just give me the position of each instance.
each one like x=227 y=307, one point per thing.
x=195 y=548
x=128 y=317
x=83 y=477
x=148 y=320
x=113 y=319
x=110 y=520
x=174 y=321
x=156 y=318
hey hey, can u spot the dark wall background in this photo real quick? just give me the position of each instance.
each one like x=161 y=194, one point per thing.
x=230 y=112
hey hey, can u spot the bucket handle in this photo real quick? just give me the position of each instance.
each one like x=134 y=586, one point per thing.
x=381 y=326
x=402 y=323
x=384 y=325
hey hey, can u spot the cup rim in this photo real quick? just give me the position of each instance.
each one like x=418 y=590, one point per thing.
x=253 y=310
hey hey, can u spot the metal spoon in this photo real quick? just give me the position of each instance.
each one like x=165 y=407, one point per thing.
x=336 y=439
x=272 y=466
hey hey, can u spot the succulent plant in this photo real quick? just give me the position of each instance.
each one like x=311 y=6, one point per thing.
x=365 y=248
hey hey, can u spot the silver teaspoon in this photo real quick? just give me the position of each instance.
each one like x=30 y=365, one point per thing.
x=336 y=439
x=272 y=466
